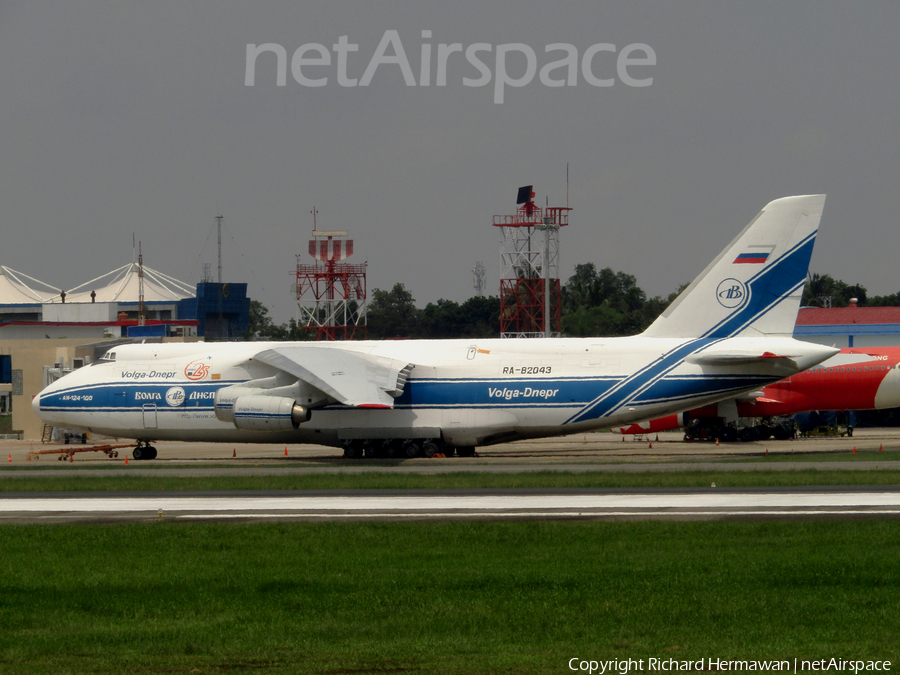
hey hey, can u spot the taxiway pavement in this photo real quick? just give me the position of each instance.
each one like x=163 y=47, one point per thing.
x=456 y=505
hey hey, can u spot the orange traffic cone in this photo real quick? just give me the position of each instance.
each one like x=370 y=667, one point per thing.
x=234 y=454
x=10 y=457
x=70 y=458
x=126 y=460
x=657 y=438
x=767 y=452
x=651 y=446
x=285 y=451
x=854 y=449
x=880 y=448
x=717 y=442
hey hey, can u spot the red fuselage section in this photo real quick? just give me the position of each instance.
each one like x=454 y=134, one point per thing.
x=855 y=379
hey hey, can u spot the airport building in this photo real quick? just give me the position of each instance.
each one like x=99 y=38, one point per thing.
x=849 y=326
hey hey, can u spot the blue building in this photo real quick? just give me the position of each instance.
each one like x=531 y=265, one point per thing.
x=222 y=311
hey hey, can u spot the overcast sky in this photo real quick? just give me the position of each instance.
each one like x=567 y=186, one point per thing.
x=134 y=118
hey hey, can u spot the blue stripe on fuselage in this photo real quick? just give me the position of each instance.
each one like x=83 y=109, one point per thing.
x=130 y=395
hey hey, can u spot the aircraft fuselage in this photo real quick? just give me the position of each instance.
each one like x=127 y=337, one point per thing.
x=467 y=392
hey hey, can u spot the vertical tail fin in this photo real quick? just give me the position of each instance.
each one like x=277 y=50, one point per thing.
x=754 y=286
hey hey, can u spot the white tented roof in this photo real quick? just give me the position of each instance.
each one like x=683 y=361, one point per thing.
x=123 y=285
x=15 y=291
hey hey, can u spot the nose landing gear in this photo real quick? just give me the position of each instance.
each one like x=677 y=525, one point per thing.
x=144 y=450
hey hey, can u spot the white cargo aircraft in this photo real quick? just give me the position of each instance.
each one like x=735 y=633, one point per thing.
x=729 y=332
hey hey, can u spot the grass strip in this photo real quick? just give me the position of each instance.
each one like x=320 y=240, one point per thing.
x=124 y=482
x=481 y=597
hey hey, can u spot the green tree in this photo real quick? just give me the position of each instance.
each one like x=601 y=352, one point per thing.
x=260 y=326
x=392 y=314
x=600 y=321
x=607 y=303
x=892 y=300
x=477 y=317
x=482 y=317
x=822 y=290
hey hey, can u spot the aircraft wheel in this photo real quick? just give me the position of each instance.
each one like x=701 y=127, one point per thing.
x=369 y=451
x=352 y=450
x=764 y=431
x=465 y=451
x=391 y=449
x=781 y=432
x=749 y=434
x=139 y=453
x=411 y=449
x=430 y=449
x=730 y=435
x=151 y=452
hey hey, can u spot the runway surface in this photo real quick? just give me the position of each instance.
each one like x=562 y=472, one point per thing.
x=457 y=505
x=450 y=467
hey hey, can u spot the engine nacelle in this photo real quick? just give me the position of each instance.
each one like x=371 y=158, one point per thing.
x=268 y=413
x=225 y=398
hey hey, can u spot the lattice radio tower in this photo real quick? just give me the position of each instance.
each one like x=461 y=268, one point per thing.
x=530 y=297
x=478 y=276
x=331 y=295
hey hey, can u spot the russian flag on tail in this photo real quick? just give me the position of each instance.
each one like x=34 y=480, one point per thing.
x=757 y=255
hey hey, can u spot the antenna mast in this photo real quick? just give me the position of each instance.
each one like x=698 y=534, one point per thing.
x=219 y=226
x=140 y=286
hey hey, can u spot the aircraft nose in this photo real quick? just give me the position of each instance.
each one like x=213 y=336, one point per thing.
x=36 y=404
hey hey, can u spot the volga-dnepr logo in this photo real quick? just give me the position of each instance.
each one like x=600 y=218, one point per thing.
x=175 y=396
x=732 y=293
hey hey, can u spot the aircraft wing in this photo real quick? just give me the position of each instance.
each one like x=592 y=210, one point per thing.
x=359 y=380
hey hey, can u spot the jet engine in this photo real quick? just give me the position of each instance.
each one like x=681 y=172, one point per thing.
x=267 y=404
x=268 y=413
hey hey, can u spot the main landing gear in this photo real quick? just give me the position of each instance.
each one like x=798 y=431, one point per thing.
x=394 y=448
x=144 y=450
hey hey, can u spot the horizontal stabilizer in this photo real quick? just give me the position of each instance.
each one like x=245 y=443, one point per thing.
x=736 y=359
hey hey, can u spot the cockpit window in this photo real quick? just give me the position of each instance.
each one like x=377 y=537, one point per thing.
x=108 y=356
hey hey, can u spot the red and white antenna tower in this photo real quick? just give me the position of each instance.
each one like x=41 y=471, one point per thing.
x=331 y=295
x=529 y=249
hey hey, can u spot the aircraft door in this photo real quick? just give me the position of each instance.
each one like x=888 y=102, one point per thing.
x=149 y=415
